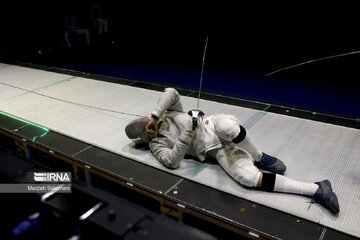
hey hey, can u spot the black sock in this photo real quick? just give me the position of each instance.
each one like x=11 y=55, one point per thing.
x=268 y=182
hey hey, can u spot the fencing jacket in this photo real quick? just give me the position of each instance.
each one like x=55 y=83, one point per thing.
x=175 y=138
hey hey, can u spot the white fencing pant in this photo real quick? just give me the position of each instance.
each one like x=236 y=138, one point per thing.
x=227 y=127
x=237 y=164
x=232 y=159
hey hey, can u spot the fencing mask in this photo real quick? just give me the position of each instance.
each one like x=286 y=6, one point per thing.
x=135 y=130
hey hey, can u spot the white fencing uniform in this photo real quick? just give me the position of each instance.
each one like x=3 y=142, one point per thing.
x=211 y=138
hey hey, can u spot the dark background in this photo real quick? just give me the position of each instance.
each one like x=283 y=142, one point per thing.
x=164 y=44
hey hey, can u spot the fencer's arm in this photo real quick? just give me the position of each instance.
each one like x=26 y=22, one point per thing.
x=171 y=157
x=169 y=100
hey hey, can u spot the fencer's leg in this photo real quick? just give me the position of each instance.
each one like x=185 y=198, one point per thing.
x=244 y=141
x=320 y=191
x=228 y=128
x=67 y=39
x=278 y=183
x=237 y=164
x=87 y=34
x=263 y=161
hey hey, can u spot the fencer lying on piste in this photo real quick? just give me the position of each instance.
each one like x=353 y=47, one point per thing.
x=171 y=133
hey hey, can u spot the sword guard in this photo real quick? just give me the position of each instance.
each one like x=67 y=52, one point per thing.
x=196 y=113
x=196 y=117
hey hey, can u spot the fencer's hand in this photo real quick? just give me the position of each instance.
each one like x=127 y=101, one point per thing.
x=152 y=127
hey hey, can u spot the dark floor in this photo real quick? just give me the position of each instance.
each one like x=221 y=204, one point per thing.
x=16 y=209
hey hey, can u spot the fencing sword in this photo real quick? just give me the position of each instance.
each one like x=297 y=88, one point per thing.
x=197 y=114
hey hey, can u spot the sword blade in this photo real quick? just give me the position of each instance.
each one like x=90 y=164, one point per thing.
x=202 y=72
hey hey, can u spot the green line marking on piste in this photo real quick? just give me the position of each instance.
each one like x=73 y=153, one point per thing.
x=46 y=130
